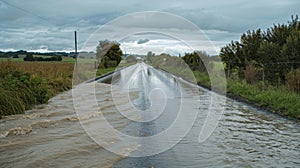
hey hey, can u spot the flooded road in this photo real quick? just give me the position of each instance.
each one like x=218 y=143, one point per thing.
x=58 y=135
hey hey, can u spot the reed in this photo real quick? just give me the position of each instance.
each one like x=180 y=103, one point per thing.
x=25 y=84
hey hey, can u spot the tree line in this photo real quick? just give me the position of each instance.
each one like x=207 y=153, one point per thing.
x=16 y=54
x=30 y=57
x=272 y=55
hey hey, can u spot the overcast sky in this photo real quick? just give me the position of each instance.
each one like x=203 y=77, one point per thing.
x=42 y=25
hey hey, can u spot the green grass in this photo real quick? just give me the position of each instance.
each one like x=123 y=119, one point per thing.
x=122 y=64
x=104 y=71
x=278 y=100
x=202 y=78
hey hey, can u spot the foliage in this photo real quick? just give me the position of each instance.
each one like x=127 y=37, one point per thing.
x=109 y=54
x=293 y=80
x=291 y=49
x=275 y=51
x=251 y=73
x=29 y=57
x=196 y=60
x=268 y=65
x=278 y=100
x=174 y=65
x=24 y=84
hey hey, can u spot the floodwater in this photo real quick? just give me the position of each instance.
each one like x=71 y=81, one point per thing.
x=144 y=102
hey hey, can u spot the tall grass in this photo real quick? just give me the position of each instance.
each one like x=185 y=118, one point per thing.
x=276 y=99
x=24 y=84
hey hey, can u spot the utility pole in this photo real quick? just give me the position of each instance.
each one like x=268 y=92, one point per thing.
x=76 y=54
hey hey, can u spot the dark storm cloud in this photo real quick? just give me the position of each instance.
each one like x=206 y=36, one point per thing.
x=142 y=41
x=33 y=23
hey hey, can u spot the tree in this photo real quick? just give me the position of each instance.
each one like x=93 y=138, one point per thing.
x=276 y=51
x=232 y=57
x=250 y=43
x=196 y=60
x=109 y=54
x=291 y=50
x=272 y=62
x=28 y=57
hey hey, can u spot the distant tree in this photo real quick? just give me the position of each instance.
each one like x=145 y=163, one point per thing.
x=150 y=54
x=130 y=59
x=196 y=60
x=28 y=57
x=109 y=54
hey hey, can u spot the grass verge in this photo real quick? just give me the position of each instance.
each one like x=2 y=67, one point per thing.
x=25 y=84
x=277 y=100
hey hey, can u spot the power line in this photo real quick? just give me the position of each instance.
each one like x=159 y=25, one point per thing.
x=26 y=11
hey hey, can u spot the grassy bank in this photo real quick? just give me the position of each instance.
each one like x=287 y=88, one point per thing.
x=275 y=99
x=25 y=84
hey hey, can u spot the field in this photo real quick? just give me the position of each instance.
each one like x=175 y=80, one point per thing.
x=25 y=84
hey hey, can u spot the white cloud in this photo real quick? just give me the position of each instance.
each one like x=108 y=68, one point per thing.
x=157 y=46
x=31 y=23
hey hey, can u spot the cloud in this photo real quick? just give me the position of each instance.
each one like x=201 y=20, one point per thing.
x=32 y=23
x=157 y=46
x=142 y=41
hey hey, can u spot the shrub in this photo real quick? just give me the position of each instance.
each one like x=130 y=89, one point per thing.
x=293 y=80
x=251 y=73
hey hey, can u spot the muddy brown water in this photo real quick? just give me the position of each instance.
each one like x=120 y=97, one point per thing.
x=51 y=135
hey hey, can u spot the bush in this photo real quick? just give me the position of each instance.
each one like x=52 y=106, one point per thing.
x=29 y=57
x=293 y=80
x=251 y=74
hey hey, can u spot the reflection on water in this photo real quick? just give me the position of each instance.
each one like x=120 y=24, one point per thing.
x=51 y=135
